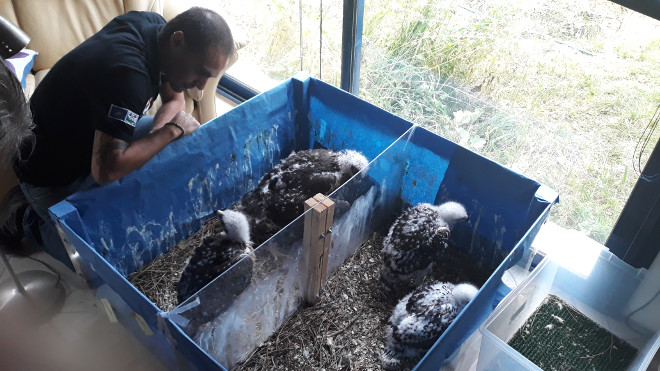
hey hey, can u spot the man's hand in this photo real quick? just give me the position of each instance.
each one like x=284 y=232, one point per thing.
x=113 y=158
x=186 y=121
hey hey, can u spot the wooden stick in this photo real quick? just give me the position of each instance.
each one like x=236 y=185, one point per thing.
x=316 y=242
x=313 y=229
x=327 y=235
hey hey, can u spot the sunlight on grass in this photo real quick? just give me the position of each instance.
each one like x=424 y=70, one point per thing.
x=558 y=91
x=273 y=28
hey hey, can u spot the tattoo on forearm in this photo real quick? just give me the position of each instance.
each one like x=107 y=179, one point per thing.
x=106 y=150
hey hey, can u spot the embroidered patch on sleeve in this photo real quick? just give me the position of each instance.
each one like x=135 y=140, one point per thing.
x=124 y=115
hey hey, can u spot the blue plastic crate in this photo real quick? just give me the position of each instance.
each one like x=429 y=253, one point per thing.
x=114 y=230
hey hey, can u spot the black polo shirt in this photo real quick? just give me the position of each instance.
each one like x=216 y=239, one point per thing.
x=105 y=84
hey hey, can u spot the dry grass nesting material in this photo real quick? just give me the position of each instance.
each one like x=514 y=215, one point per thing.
x=346 y=329
x=157 y=280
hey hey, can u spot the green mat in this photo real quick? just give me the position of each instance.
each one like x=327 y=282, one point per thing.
x=558 y=337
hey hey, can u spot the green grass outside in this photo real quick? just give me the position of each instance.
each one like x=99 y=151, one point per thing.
x=560 y=91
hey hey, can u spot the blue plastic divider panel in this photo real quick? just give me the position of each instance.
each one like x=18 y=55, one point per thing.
x=117 y=228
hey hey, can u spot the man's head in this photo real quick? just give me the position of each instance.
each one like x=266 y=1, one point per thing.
x=15 y=116
x=194 y=47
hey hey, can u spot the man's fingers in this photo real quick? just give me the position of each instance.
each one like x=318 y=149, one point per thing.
x=186 y=121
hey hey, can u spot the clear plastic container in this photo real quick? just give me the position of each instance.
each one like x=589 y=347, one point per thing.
x=612 y=294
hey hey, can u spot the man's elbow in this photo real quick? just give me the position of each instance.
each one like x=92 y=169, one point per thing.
x=105 y=175
x=108 y=160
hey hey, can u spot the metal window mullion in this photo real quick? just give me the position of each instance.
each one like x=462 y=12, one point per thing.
x=352 y=45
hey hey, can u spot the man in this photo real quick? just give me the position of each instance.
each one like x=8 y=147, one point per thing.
x=87 y=109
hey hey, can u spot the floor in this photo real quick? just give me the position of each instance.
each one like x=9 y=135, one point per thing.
x=79 y=337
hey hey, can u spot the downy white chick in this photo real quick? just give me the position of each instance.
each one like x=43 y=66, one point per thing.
x=420 y=318
x=280 y=195
x=216 y=254
x=417 y=239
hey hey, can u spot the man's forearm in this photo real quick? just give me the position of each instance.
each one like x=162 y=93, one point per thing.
x=167 y=111
x=114 y=158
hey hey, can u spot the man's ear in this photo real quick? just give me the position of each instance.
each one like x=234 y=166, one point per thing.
x=177 y=40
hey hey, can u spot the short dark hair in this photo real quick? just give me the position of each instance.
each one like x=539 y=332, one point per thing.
x=201 y=28
x=15 y=116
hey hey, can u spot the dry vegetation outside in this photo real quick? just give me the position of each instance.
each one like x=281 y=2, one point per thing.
x=560 y=91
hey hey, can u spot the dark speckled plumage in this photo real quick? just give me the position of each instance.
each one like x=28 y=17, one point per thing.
x=277 y=201
x=416 y=240
x=421 y=317
x=282 y=192
x=216 y=254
